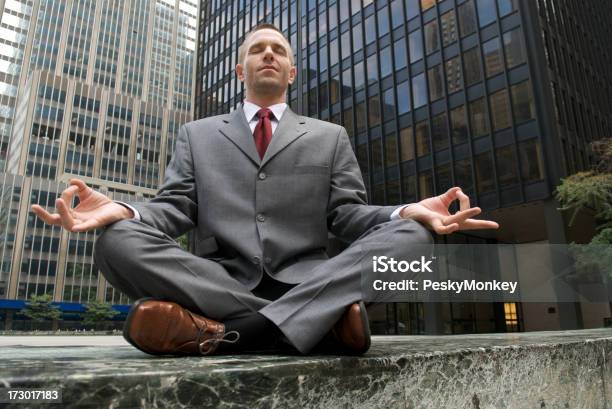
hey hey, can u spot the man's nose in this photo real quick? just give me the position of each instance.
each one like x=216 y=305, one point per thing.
x=268 y=53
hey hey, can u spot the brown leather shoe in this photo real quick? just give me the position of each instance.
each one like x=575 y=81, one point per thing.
x=163 y=327
x=352 y=331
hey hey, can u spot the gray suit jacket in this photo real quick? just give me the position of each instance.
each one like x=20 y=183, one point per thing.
x=269 y=215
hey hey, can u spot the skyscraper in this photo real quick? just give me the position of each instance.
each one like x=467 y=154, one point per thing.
x=95 y=90
x=500 y=97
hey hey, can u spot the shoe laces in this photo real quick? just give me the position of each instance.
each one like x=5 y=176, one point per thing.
x=208 y=346
x=212 y=343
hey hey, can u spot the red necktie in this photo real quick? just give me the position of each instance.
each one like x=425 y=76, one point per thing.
x=263 y=131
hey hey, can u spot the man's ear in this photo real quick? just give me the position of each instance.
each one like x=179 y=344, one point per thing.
x=292 y=74
x=240 y=72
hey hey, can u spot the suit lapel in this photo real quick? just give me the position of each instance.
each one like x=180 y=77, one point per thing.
x=237 y=130
x=288 y=130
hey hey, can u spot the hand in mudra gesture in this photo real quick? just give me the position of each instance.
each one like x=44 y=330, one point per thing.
x=433 y=213
x=93 y=211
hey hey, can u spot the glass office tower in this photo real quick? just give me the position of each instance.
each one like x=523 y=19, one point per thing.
x=500 y=97
x=95 y=90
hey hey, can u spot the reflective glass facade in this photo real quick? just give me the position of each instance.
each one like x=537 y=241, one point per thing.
x=435 y=94
x=383 y=69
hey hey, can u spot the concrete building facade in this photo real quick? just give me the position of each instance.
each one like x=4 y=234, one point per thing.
x=95 y=90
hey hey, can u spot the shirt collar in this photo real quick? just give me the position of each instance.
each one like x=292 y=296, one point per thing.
x=250 y=110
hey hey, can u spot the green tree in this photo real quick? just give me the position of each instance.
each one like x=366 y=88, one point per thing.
x=97 y=312
x=592 y=190
x=40 y=309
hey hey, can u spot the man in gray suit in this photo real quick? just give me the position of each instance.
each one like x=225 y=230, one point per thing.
x=262 y=187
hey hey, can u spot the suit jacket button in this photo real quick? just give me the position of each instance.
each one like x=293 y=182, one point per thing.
x=267 y=260
x=261 y=218
x=256 y=260
x=262 y=175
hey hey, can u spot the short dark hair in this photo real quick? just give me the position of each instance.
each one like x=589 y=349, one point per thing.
x=242 y=51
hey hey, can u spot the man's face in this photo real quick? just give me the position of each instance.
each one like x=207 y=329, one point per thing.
x=267 y=67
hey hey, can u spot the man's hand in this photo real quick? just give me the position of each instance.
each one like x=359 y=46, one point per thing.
x=433 y=213
x=94 y=209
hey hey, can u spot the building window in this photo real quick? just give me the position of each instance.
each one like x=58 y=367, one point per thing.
x=522 y=102
x=312 y=101
x=391 y=149
x=370 y=30
x=409 y=185
x=463 y=174
x=425 y=184
x=403 y=98
x=412 y=9
x=323 y=96
x=471 y=59
x=478 y=117
x=444 y=179
x=492 y=56
x=419 y=90
x=467 y=18
x=344 y=10
x=513 y=46
x=486 y=12
x=531 y=160
x=377 y=159
x=427 y=4
x=385 y=62
x=500 y=110
x=397 y=14
x=453 y=75
x=357 y=42
x=406 y=144
x=507 y=6
x=372 y=66
x=507 y=171
x=334 y=90
x=345 y=47
x=388 y=104
x=449 y=28
x=333 y=52
x=431 y=37
x=422 y=138
x=362 y=160
x=436 y=87
x=359 y=76
x=393 y=192
x=374 y=110
x=360 y=116
x=347 y=116
x=399 y=49
x=415 y=40
x=484 y=173
x=383 y=21
x=439 y=127
x=459 y=125
x=347 y=83
x=511 y=317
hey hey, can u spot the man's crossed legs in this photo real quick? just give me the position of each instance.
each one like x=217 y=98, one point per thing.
x=143 y=262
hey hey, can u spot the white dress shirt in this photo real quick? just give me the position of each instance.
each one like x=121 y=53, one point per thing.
x=250 y=112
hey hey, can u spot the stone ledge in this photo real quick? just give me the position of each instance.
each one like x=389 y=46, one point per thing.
x=521 y=370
